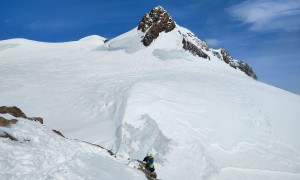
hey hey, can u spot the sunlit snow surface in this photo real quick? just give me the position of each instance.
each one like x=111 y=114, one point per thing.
x=39 y=153
x=201 y=119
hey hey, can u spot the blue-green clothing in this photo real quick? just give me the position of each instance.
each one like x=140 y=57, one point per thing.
x=149 y=163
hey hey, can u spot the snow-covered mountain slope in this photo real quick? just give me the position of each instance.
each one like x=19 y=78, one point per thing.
x=38 y=153
x=94 y=39
x=201 y=118
x=159 y=21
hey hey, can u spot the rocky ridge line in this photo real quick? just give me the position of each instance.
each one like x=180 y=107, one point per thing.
x=237 y=64
x=188 y=46
x=159 y=20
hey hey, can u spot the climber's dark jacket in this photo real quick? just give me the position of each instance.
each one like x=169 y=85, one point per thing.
x=149 y=163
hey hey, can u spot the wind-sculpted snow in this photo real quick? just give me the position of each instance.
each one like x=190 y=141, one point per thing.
x=144 y=136
x=39 y=153
x=212 y=134
x=130 y=42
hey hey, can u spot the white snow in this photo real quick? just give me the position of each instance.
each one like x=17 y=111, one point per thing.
x=201 y=119
x=42 y=154
x=93 y=39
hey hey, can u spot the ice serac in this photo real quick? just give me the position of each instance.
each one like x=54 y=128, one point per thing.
x=154 y=22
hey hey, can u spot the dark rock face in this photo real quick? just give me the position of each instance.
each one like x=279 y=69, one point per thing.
x=155 y=22
x=58 y=133
x=14 y=111
x=247 y=69
x=216 y=54
x=196 y=41
x=17 y=112
x=238 y=64
x=193 y=49
x=226 y=56
x=6 y=122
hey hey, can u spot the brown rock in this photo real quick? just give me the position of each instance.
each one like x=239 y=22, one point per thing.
x=59 y=133
x=17 y=112
x=39 y=119
x=155 y=22
x=14 y=111
x=6 y=122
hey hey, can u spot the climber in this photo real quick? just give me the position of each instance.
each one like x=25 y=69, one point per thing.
x=149 y=162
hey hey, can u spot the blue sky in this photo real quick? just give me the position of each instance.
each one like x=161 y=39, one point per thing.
x=263 y=33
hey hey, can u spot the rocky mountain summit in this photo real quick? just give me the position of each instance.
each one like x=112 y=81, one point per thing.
x=158 y=21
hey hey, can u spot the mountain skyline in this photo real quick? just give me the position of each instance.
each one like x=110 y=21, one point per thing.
x=267 y=40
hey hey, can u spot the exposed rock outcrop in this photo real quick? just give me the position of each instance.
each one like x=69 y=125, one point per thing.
x=58 y=133
x=237 y=64
x=196 y=41
x=155 y=22
x=6 y=122
x=14 y=111
x=38 y=119
x=17 y=112
x=217 y=54
x=193 y=49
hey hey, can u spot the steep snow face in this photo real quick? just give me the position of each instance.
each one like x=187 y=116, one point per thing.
x=39 y=153
x=243 y=131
